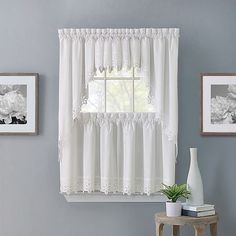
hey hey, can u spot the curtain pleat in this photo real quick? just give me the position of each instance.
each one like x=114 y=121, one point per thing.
x=145 y=60
x=149 y=144
x=78 y=89
x=129 y=157
x=89 y=59
x=126 y=53
x=65 y=87
x=116 y=54
x=135 y=52
x=108 y=54
x=159 y=69
x=89 y=156
x=108 y=157
x=99 y=54
x=120 y=152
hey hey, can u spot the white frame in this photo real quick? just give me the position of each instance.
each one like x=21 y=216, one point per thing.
x=31 y=80
x=207 y=128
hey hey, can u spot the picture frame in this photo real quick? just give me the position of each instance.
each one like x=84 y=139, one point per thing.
x=19 y=103
x=218 y=104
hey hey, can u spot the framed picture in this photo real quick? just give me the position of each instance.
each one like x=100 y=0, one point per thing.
x=19 y=103
x=218 y=104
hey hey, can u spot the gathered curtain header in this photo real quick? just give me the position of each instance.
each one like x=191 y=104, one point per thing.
x=143 y=32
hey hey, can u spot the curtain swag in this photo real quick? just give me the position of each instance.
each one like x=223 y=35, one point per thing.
x=84 y=52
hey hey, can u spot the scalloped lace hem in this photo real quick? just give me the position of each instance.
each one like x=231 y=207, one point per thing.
x=147 y=187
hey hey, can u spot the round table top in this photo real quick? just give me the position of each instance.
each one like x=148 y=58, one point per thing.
x=182 y=220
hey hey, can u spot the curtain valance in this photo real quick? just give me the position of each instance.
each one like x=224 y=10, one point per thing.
x=107 y=49
x=143 y=32
x=84 y=52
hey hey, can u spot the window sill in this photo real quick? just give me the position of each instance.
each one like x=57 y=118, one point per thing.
x=100 y=197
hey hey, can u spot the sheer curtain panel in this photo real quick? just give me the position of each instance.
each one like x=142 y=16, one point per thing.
x=129 y=153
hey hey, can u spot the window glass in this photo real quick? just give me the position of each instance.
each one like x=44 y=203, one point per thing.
x=119 y=96
x=118 y=91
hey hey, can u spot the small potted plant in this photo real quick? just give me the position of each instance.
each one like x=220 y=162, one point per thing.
x=173 y=193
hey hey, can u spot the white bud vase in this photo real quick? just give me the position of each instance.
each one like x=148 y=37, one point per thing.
x=194 y=181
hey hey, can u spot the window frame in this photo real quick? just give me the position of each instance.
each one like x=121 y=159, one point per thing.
x=106 y=78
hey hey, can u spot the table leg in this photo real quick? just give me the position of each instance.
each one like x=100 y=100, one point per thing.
x=199 y=229
x=175 y=230
x=213 y=229
x=159 y=229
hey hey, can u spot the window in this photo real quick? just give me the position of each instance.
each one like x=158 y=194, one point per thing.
x=118 y=91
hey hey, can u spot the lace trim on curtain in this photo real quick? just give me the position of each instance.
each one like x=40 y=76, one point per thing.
x=139 y=185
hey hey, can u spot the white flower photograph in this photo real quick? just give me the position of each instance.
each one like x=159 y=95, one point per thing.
x=218 y=104
x=223 y=104
x=18 y=103
x=13 y=104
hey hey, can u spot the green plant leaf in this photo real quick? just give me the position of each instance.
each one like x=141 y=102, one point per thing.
x=174 y=192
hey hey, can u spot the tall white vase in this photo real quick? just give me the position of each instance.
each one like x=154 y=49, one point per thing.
x=194 y=181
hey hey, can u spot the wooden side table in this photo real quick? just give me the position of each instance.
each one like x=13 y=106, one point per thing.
x=199 y=224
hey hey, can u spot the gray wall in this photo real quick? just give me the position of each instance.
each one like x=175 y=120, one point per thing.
x=30 y=203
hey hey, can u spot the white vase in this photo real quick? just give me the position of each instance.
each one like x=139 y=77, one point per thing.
x=173 y=209
x=194 y=181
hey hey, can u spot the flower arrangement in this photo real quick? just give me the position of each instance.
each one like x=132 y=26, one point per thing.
x=223 y=109
x=12 y=105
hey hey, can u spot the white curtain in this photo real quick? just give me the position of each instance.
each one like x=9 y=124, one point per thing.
x=118 y=152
